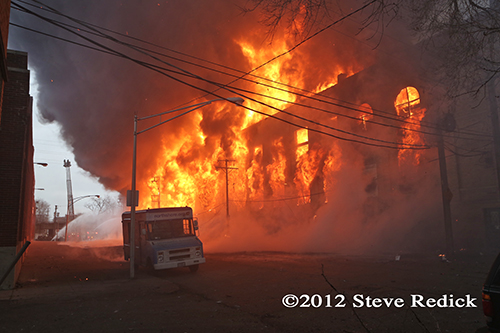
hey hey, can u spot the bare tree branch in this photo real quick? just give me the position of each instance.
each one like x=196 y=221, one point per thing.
x=463 y=34
x=102 y=205
x=42 y=211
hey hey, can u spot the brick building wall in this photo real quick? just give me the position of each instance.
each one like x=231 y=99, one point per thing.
x=16 y=165
x=4 y=27
x=4 y=33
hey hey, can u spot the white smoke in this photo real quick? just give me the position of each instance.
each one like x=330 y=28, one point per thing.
x=91 y=227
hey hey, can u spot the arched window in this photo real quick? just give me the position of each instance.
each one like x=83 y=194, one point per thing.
x=366 y=114
x=407 y=102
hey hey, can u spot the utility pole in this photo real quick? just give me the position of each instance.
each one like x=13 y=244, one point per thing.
x=226 y=168
x=55 y=215
x=448 y=124
x=446 y=196
x=495 y=126
x=54 y=231
x=156 y=197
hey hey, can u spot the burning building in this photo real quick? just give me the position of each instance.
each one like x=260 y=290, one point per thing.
x=331 y=149
x=287 y=171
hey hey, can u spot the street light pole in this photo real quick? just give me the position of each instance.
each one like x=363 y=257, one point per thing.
x=67 y=215
x=133 y=195
x=133 y=203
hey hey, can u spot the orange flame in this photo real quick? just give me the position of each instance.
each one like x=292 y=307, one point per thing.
x=407 y=105
x=275 y=71
x=276 y=170
x=189 y=172
x=407 y=101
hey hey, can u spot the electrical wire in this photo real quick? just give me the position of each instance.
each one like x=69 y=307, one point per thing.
x=395 y=145
x=61 y=39
x=471 y=150
x=405 y=121
x=227 y=67
x=283 y=199
x=209 y=211
x=275 y=98
x=401 y=145
x=192 y=75
x=464 y=155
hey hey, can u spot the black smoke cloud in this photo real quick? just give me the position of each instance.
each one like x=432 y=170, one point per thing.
x=94 y=96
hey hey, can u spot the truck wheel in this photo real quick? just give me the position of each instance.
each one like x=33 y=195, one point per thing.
x=193 y=268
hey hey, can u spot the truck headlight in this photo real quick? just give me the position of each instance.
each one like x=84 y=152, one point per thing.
x=197 y=253
x=161 y=256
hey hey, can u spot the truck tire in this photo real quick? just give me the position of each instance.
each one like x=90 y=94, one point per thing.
x=193 y=268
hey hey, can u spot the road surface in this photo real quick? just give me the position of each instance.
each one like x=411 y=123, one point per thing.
x=85 y=288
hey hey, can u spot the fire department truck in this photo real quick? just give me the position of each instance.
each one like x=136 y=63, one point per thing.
x=164 y=238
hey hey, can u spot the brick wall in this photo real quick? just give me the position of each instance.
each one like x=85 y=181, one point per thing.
x=4 y=34
x=16 y=155
x=4 y=23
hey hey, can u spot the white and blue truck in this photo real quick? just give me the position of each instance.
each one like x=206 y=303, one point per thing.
x=164 y=238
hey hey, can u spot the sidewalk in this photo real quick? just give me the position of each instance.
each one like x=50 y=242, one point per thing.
x=73 y=289
x=54 y=268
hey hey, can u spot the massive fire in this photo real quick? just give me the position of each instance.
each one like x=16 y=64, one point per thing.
x=268 y=170
x=184 y=177
x=276 y=71
x=275 y=175
x=191 y=170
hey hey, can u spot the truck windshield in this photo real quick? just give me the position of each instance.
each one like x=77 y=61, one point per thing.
x=170 y=229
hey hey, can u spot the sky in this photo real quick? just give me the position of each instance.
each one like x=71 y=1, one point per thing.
x=86 y=100
x=50 y=148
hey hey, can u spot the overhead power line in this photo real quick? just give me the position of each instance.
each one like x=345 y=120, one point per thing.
x=354 y=108
x=284 y=199
x=405 y=122
x=393 y=145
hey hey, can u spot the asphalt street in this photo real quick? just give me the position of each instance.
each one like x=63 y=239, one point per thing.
x=86 y=287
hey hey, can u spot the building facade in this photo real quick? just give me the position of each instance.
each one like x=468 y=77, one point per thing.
x=16 y=166
x=4 y=33
x=403 y=186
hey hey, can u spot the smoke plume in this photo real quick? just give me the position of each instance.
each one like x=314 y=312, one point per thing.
x=94 y=97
